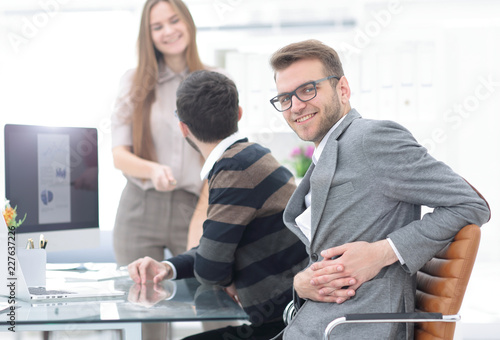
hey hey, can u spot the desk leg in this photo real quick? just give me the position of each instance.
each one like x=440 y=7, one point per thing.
x=132 y=331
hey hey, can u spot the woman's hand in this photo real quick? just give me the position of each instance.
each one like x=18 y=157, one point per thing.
x=162 y=178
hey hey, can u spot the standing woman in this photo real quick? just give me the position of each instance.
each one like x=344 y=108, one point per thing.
x=163 y=172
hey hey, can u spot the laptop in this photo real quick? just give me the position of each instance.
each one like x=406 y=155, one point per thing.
x=13 y=283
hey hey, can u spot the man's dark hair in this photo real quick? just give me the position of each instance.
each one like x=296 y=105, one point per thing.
x=207 y=102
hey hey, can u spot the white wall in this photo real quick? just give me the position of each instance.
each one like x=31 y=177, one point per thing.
x=431 y=66
x=423 y=63
x=63 y=69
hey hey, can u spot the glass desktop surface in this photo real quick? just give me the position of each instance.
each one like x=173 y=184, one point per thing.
x=171 y=301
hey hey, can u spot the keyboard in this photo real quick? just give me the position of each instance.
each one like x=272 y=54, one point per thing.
x=43 y=291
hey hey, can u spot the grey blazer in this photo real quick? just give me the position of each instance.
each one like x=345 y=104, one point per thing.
x=369 y=184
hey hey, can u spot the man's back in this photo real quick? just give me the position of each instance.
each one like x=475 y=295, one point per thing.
x=244 y=240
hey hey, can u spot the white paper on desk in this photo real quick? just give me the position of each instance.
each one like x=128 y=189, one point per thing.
x=85 y=271
x=100 y=275
x=87 y=266
x=65 y=266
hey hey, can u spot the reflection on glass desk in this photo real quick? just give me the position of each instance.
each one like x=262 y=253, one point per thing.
x=169 y=301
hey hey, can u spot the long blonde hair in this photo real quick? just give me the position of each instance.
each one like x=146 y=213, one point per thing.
x=142 y=92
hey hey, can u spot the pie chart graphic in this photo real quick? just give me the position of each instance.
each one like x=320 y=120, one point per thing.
x=47 y=196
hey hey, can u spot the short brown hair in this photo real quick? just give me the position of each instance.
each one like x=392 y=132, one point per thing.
x=308 y=49
x=207 y=102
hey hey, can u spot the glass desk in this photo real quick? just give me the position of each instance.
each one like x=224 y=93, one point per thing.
x=171 y=301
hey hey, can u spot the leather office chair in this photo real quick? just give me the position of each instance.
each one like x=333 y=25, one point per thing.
x=441 y=286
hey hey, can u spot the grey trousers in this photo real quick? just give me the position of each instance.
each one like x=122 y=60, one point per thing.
x=149 y=221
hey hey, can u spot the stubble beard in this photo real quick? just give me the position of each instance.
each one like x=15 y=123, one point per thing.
x=331 y=115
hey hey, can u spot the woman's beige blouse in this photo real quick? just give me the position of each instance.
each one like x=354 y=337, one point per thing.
x=171 y=147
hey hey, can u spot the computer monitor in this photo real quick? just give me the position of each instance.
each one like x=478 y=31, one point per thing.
x=51 y=176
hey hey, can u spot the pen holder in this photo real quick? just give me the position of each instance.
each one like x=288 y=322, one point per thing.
x=33 y=263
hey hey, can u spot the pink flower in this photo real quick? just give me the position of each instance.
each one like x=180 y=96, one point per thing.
x=309 y=151
x=296 y=152
x=301 y=159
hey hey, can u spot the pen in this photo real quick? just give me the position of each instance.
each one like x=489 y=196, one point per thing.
x=42 y=241
x=30 y=244
x=44 y=244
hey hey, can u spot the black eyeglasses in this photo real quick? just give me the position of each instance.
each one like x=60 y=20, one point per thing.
x=304 y=93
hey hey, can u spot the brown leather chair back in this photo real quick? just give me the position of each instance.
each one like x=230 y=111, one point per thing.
x=442 y=282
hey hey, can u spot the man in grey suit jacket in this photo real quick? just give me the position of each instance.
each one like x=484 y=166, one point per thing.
x=361 y=201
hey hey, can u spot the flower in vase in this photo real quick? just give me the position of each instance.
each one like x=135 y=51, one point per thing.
x=301 y=159
x=10 y=215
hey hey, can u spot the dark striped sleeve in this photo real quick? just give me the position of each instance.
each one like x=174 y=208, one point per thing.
x=184 y=264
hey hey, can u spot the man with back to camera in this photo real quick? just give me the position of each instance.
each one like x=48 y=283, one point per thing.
x=245 y=245
x=361 y=200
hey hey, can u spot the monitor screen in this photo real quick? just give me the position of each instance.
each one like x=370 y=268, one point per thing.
x=51 y=176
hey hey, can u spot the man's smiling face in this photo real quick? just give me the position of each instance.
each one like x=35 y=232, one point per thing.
x=310 y=120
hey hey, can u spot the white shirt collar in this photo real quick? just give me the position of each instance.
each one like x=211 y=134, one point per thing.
x=217 y=153
x=318 y=150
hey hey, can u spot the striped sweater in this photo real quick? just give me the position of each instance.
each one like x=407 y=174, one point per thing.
x=244 y=240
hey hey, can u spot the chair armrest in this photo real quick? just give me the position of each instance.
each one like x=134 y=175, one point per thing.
x=289 y=312
x=388 y=317
x=391 y=316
